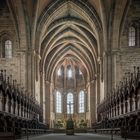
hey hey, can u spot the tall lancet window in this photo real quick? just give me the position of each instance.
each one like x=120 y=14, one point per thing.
x=70 y=102
x=80 y=72
x=59 y=72
x=8 y=49
x=58 y=102
x=81 y=102
x=69 y=73
x=132 y=36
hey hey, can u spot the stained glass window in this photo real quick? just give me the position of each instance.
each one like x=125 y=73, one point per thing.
x=132 y=36
x=59 y=72
x=69 y=73
x=80 y=72
x=58 y=102
x=8 y=49
x=81 y=102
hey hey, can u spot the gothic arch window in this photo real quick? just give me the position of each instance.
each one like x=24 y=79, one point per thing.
x=69 y=73
x=7 y=52
x=80 y=73
x=70 y=102
x=132 y=36
x=58 y=102
x=59 y=72
x=81 y=102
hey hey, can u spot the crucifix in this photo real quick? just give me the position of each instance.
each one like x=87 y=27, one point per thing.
x=69 y=104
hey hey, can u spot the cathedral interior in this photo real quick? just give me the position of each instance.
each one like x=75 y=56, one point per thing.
x=69 y=58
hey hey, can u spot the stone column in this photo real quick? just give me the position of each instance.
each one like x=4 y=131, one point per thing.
x=33 y=79
x=88 y=106
x=30 y=75
x=47 y=101
x=22 y=68
x=92 y=101
x=114 y=69
x=106 y=71
x=42 y=96
x=52 y=100
x=99 y=80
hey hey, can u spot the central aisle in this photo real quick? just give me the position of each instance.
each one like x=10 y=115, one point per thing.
x=75 y=137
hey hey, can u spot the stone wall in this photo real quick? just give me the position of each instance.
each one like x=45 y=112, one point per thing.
x=126 y=60
x=128 y=56
x=16 y=64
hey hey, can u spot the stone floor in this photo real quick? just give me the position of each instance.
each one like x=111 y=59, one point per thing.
x=75 y=137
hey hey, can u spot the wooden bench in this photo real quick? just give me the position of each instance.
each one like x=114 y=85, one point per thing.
x=133 y=135
x=7 y=136
x=115 y=131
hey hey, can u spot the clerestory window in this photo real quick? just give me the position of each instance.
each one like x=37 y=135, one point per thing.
x=8 y=49
x=132 y=36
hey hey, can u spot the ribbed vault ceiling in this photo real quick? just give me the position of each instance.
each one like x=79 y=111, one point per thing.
x=95 y=3
x=69 y=28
